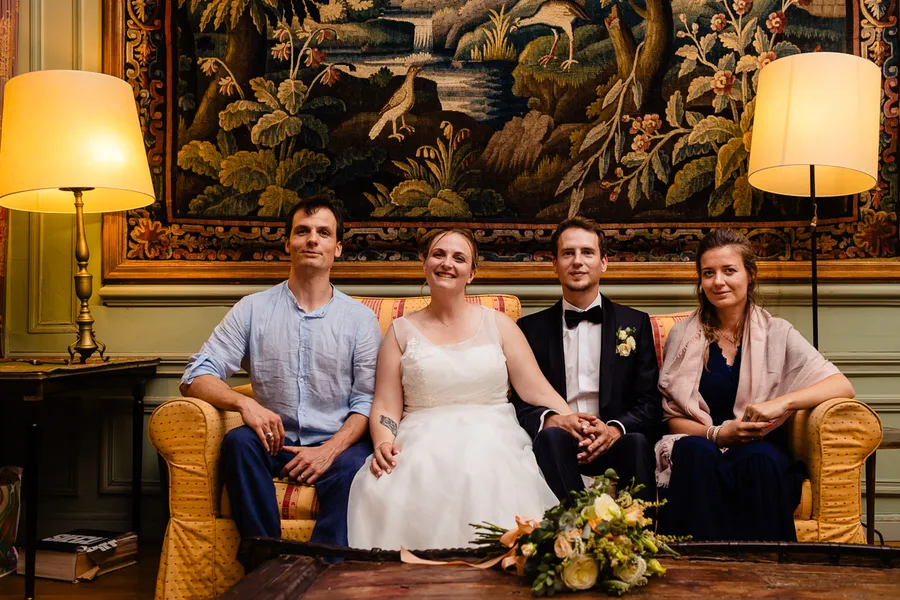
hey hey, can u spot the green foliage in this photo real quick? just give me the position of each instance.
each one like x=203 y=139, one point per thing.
x=706 y=151
x=497 y=45
x=695 y=176
x=271 y=178
x=599 y=542
x=382 y=77
x=229 y=12
x=436 y=182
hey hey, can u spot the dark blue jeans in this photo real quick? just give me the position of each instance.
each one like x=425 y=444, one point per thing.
x=248 y=471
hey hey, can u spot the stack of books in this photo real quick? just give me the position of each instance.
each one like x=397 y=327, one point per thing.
x=82 y=554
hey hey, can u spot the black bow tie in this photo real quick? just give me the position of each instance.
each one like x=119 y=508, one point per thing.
x=574 y=317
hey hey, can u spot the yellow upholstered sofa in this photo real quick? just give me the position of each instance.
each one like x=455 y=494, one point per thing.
x=198 y=557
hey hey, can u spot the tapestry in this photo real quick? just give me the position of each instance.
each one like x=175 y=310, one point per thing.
x=9 y=12
x=503 y=116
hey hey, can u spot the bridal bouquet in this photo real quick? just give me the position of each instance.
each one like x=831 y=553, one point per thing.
x=601 y=542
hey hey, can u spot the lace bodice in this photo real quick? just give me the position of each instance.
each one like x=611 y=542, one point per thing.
x=472 y=371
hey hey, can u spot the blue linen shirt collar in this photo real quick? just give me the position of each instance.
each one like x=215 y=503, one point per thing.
x=319 y=312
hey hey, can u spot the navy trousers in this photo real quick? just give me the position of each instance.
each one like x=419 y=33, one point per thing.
x=248 y=471
x=749 y=493
x=631 y=456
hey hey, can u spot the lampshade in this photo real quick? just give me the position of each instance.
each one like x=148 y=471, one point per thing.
x=822 y=109
x=72 y=129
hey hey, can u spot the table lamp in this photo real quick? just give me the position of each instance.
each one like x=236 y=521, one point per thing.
x=815 y=133
x=72 y=143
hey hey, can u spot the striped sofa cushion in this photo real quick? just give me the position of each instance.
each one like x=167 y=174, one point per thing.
x=389 y=309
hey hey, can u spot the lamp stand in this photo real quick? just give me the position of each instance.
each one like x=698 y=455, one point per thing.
x=815 y=279
x=86 y=343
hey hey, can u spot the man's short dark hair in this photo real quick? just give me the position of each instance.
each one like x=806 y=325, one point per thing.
x=579 y=223
x=311 y=205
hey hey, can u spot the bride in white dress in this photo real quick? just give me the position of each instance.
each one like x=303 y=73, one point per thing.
x=448 y=448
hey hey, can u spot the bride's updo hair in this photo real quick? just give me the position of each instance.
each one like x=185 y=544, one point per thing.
x=430 y=238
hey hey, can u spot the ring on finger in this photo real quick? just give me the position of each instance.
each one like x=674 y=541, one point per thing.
x=270 y=435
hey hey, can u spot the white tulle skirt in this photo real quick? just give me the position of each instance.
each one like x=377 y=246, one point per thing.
x=457 y=465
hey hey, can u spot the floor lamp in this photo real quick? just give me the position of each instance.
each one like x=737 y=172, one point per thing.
x=815 y=133
x=72 y=143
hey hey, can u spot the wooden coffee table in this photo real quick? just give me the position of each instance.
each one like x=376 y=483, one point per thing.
x=717 y=570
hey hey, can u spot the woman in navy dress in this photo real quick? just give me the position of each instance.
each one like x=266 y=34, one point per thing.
x=732 y=375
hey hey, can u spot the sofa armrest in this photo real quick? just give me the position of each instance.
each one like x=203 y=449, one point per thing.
x=834 y=439
x=188 y=434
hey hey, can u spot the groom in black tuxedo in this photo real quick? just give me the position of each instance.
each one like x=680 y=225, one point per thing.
x=599 y=356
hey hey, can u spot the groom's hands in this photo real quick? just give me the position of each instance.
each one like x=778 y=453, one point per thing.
x=599 y=439
x=576 y=423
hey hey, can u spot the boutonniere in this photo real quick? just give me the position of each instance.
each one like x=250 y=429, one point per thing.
x=625 y=343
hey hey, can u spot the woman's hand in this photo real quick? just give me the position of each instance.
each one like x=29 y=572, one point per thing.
x=767 y=411
x=735 y=433
x=383 y=459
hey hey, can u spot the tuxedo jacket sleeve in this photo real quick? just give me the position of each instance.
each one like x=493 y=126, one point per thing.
x=548 y=351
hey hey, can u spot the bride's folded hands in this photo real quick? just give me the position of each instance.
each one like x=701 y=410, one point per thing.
x=383 y=459
x=524 y=373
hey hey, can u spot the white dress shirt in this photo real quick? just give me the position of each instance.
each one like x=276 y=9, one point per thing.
x=581 y=348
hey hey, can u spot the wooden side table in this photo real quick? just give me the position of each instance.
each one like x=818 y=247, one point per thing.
x=890 y=440
x=32 y=382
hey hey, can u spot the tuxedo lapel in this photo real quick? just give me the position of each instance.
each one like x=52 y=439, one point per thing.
x=557 y=374
x=607 y=352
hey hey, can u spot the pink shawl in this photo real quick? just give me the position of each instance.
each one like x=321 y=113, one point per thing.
x=776 y=360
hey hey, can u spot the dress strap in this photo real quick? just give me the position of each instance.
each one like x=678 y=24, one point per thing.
x=404 y=331
x=489 y=326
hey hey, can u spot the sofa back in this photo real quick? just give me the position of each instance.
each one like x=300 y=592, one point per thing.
x=389 y=309
x=662 y=325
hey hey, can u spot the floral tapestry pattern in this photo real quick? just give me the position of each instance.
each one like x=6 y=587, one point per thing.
x=503 y=116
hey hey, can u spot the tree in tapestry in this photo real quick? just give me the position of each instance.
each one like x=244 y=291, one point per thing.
x=502 y=113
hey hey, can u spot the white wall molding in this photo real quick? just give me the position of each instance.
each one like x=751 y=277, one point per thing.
x=888 y=525
x=531 y=295
x=867 y=364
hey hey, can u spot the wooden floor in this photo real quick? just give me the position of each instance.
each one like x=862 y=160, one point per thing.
x=136 y=582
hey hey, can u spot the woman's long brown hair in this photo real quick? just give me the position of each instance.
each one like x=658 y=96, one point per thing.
x=709 y=318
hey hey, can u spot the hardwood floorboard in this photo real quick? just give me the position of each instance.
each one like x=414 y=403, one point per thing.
x=136 y=582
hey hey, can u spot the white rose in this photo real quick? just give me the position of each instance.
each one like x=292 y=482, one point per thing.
x=631 y=572
x=622 y=335
x=631 y=343
x=581 y=573
x=528 y=550
x=622 y=349
x=606 y=508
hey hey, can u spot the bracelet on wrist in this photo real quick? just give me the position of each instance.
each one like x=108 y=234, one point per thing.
x=715 y=434
x=709 y=430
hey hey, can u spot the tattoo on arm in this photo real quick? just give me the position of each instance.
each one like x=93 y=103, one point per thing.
x=389 y=423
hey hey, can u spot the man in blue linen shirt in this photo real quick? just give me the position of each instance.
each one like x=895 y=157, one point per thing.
x=310 y=351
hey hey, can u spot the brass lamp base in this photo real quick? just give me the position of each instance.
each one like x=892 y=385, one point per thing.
x=87 y=343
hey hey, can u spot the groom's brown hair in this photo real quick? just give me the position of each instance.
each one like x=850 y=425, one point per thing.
x=579 y=223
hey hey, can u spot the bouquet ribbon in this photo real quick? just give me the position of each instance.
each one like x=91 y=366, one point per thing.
x=507 y=561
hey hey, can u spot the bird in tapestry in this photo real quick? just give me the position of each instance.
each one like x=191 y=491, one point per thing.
x=558 y=15
x=397 y=107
